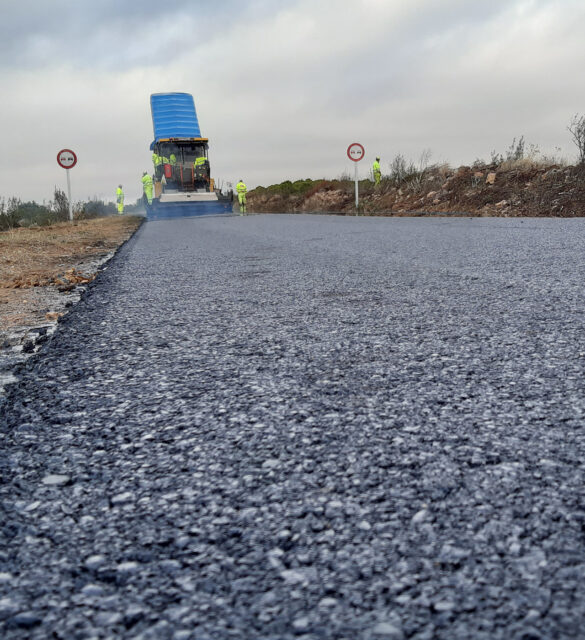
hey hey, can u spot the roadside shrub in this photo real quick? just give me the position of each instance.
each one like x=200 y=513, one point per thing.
x=319 y=185
x=33 y=214
x=287 y=188
x=517 y=157
x=577 y=130
x=15 y=213
x=96 y=209
x=407 y=174
x=514 y=153
x=400 y=170
x=60 y=206
x=496 y=159
x=515 y=150
x=9 y=213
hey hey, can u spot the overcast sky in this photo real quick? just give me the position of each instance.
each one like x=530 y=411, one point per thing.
x=281 y=88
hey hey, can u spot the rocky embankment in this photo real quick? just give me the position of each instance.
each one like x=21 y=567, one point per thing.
x=520 y=189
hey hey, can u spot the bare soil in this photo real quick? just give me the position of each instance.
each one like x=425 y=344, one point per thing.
x=38 y=264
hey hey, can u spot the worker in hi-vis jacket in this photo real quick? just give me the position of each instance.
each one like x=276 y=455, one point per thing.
x=120 y=199
x=241 y=188
x=147 y=186
x=157 y=162
x=200 y=164
x=377 y=171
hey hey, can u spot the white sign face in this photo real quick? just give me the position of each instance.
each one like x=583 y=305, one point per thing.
x=66 y=158
x=355 y=152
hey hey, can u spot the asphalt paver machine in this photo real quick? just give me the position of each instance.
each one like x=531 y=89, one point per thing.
x=183 y=185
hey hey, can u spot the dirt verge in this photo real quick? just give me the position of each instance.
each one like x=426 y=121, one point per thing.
x=42 y=270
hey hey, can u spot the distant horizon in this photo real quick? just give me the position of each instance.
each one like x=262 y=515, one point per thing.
x=363 y=175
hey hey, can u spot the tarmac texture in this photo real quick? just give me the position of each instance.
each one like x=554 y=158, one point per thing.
x=311 y=427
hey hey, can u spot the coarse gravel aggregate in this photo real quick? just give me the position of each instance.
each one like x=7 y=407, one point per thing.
x=310 y=427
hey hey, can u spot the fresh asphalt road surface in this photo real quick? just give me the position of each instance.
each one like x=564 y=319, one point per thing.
x=314 y=427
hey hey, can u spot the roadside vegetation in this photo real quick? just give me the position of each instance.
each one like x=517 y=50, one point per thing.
x=14 y=213
x=519 y=182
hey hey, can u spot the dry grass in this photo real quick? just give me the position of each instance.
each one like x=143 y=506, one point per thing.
x=522 y=164
x=36 y=258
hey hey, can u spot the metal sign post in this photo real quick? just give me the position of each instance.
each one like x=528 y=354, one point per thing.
x=67 y=159
x=356 y=152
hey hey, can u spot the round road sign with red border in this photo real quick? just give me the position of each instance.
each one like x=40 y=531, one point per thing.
x=66 y=158
x=356 y=152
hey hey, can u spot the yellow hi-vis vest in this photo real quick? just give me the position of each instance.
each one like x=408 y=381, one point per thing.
x=199 y=161
x=241 y=187
x=119 y=195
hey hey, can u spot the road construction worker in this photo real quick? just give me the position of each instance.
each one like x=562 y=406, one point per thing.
x=157 y=162
x=377 y=171
x=201 y=169
x=241 y=188
x=160 y=175
x=173 y=159
x=120 y=199
x=147 y=187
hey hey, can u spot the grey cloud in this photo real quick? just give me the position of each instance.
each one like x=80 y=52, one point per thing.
x=113 y=34
x=387 y=64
